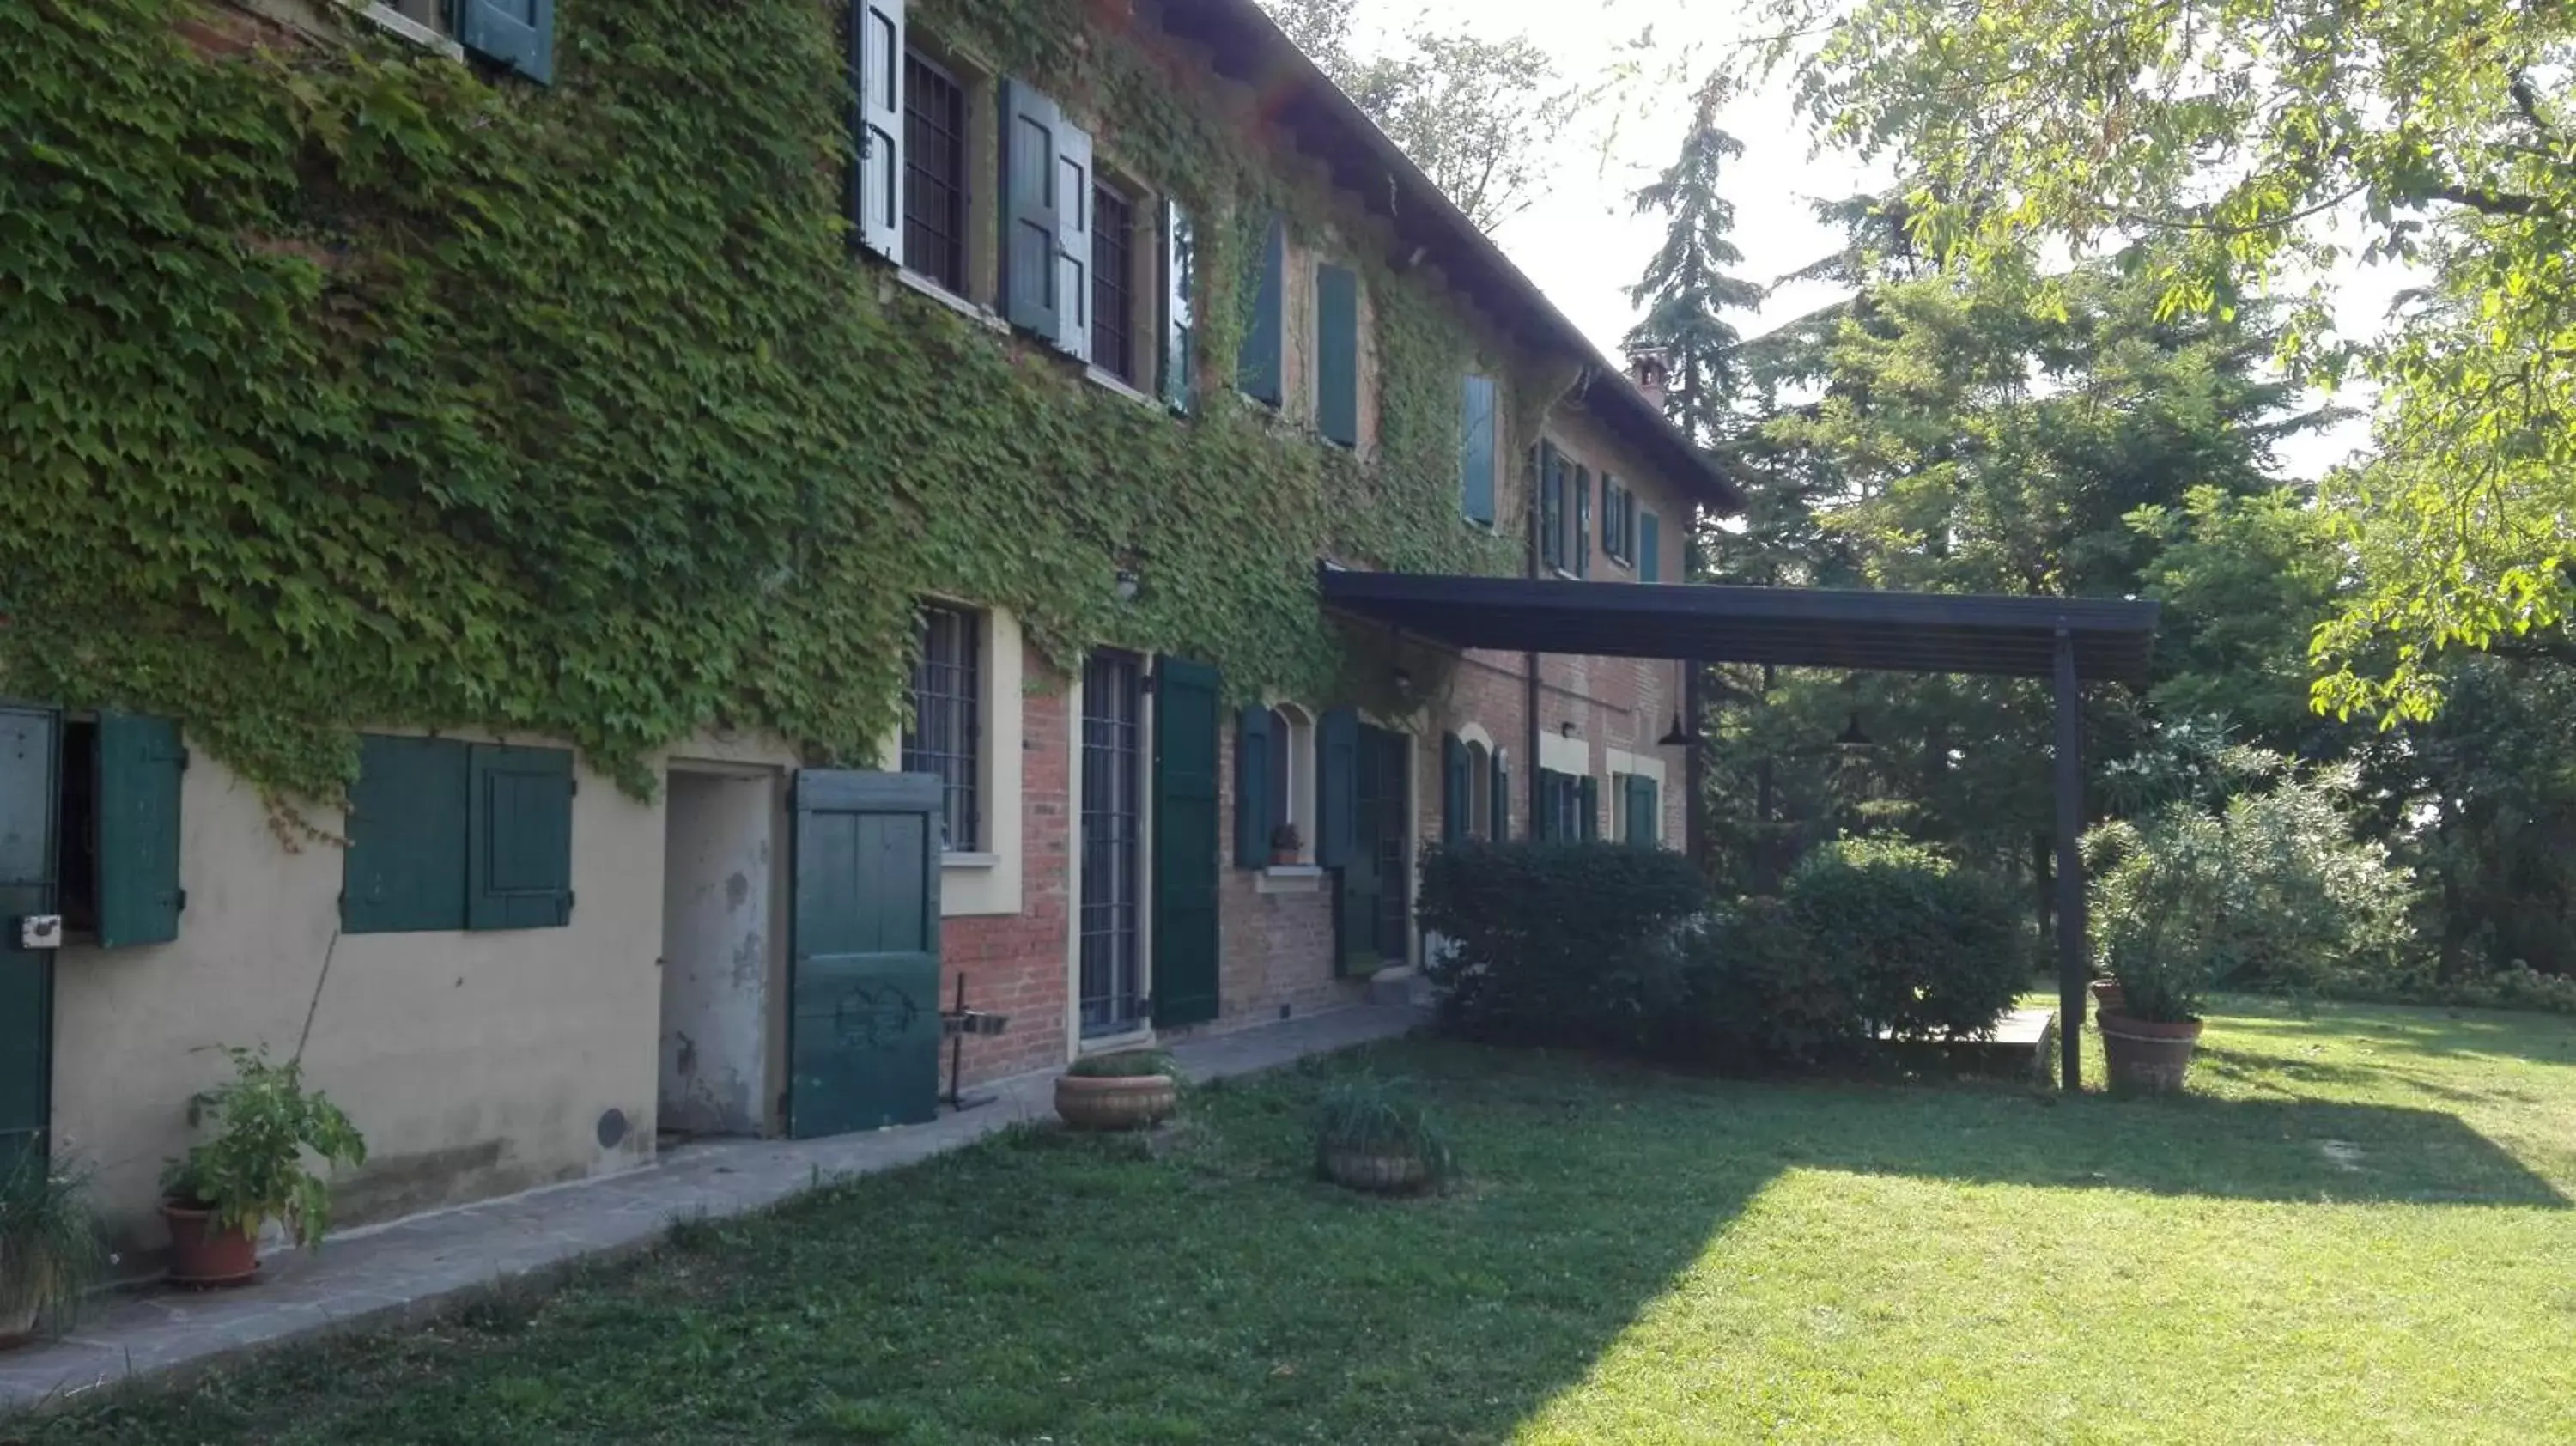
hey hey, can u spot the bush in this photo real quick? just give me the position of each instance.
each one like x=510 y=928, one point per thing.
x=2271 y=890
x=1365 y=1115
x=1758 y=994
x=1555 y=943
x=1928 y=948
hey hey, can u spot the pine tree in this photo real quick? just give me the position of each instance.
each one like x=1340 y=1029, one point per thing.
x=1687 y=289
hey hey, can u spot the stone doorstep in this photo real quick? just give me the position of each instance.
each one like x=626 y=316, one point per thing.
x=409 y=1271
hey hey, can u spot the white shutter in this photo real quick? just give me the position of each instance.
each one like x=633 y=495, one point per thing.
x=1073 y=241
x=876 y=186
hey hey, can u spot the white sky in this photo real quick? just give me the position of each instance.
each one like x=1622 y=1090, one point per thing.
x=1585 y=245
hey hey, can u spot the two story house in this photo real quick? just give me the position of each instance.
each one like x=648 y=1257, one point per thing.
x=1157 y=330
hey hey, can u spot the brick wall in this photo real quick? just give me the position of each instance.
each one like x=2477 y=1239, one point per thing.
x=1015 y=963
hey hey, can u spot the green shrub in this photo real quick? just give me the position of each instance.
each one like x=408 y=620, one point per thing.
x=1555 y=943
x=2271 y=890
x=1122 y=1064
x=1758 y=994
x=1927 y=947
x=50 y=1238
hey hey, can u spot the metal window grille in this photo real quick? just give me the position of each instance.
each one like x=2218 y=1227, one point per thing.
x=947 y=733
x=1113 y=765
x=1113 y=221
x=934 y=166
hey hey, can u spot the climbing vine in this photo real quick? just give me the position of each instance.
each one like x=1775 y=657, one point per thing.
x=345 y=386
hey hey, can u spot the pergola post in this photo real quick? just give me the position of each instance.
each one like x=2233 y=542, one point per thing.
x=2072 y=976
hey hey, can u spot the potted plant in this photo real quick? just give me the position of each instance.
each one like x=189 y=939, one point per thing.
x=2157 y=924
x=1369 y=1135
x=1128 y=1090
x=49 y=1239
x=253 y=1170
x=1287 y=846
x=2107 y=994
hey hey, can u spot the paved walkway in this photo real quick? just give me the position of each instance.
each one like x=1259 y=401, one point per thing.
x=412 y=1268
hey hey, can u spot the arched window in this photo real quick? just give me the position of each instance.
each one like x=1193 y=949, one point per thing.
x=1292 y=774
x=1480 y=793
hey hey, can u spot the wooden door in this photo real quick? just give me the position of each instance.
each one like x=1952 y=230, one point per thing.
x=29 y=739
x=863 y=983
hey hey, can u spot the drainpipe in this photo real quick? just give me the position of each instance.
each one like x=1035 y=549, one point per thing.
x=1529 y=663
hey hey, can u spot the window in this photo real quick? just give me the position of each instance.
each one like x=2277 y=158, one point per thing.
x=1274 y=780
x=1551 y=505
x=1618 y=521
x=1637 y=800
x=448 y=835
x=1582 y=543
x=1113 y=257
x=1258 y=367
x=934 y=174
x=517 y=35
x=1560 y=804
x=1650 y=548
x=1477 y=450
x=114 y=819
x=1480 y=791
x=945 y=737
x=1180 y=308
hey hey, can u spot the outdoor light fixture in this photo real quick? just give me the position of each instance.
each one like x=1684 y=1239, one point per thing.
x=1128 y=584
x=1404 y=682
x=1566 y=728
x=1677 y=736
x=1852 y=736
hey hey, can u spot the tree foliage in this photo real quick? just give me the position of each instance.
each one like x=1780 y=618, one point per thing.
x=1475 y=113
x=2260 y=141
x=1688 y=287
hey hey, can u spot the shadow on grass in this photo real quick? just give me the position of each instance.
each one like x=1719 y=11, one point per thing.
x=1202 y=1287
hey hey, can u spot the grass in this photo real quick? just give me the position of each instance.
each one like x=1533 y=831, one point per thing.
x=2356 y=1229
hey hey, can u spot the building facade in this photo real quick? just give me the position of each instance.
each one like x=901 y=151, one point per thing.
x=514 y=964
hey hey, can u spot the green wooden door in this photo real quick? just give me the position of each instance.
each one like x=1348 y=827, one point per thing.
x=1186 y=857
x=1377 y=791
x=863 y=940
x=29 y=739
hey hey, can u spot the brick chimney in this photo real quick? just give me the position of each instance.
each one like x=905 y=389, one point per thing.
x=1650 y=371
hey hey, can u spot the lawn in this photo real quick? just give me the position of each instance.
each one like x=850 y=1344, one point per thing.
x=2356 y=1229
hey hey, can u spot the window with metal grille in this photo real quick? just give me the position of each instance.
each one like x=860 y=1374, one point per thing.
x=947 y=734
x=934 y=167
x=1113 y=222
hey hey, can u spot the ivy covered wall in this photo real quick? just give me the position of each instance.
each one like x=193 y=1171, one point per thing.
x=341 y=386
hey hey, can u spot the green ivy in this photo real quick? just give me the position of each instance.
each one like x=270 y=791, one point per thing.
x=343 y=386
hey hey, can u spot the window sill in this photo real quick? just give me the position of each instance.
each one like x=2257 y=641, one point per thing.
x=982 y=316
x=1288 y=879
x=962 y=859
x=1113 y=382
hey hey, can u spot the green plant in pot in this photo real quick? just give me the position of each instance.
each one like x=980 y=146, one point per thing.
x=1128 y=1089
x=1371 y=1135
x=255 y=1167
x=2155 y=912
x=50 y=1250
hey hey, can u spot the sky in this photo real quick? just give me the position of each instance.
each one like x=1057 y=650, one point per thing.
x=1585 y=245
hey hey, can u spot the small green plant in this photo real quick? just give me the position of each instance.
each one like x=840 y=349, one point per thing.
x=1371 y=1118
x=50 y=1250
x=253 y=1170
x=1123 y=1064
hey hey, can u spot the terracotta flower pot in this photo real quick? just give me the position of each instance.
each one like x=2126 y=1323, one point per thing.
x=2148 y=1056
x=2110 y=997
x=203 y=1254
x=17 y=1327
x=1133 y=1102
x=1393 y=1174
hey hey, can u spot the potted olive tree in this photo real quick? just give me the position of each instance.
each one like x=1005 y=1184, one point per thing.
x=253 y=1169
x=1370 y=1135
x=1126 y=1090
x=49 y=1240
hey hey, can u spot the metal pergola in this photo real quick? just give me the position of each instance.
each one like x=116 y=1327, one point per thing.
x=2070 y=641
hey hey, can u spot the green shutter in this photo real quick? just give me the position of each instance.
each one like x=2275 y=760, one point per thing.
x=1645 y=808
x=1551 y=505
x=517 y=33
x=876 y=126
x=1337 y=786
x=1551 y=805
x=404 y=869
x=1031 y=222
x=1587 y=805
x=1476 y=449
x=1180 y=309
x=1650 y=548
x=139 y=762
x=1582 y=522
x=1252 y=821
x=1188 y=851
x=1501 y=783
x=1337 y=354
x=519 y=863
x=1257 y=366
x=1456 y=806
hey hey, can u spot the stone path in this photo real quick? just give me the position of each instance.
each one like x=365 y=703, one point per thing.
x=410 y=1269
